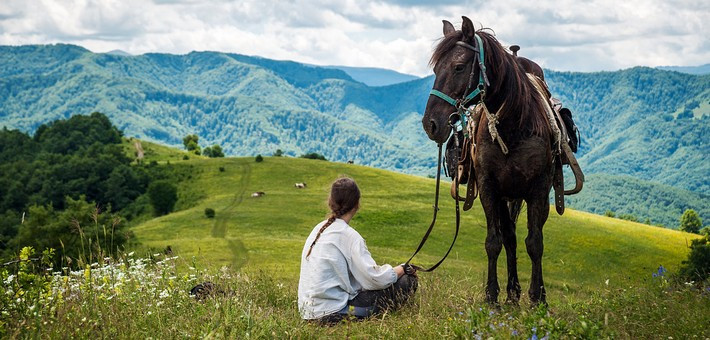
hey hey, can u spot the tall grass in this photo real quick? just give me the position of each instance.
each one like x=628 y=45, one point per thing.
x=149 y=298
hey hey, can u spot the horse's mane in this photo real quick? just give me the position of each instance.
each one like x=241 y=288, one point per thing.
x=509 y=83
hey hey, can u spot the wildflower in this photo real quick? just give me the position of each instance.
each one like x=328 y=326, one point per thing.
x=606 y=282
x=164 y=294
x=534 y=337
x=9 y=280
x=131 y=253
x=514 y=332
x=460 y=313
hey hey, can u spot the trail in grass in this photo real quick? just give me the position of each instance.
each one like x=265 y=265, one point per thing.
x=221 y=223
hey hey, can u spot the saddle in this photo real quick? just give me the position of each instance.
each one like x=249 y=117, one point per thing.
x=461 y=149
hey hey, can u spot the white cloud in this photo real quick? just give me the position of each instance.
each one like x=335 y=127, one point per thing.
x=399 y=35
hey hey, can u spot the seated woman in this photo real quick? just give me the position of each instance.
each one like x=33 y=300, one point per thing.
x=339 y=278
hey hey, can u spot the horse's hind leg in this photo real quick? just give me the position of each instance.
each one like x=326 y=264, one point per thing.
x=494 y=245
x=509 y=214
x=538 y=210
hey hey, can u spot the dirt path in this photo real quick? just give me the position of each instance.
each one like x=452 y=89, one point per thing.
x=222 y=218
x=139 y=149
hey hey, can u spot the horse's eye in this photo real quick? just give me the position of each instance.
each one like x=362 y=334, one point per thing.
x=459 y=67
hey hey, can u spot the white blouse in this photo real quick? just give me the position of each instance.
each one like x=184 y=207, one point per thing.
x=339 y=267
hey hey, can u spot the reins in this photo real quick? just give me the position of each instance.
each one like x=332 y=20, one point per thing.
x=407 y=264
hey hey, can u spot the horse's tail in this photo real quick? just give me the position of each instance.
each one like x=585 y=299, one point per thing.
x=514 y=208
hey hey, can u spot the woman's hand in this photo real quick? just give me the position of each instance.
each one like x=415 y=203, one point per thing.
x=399 y=270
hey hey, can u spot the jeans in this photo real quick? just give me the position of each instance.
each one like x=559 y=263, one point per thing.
x=372 y=302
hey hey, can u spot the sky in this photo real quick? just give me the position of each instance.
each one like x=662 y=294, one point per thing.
x=394 y=34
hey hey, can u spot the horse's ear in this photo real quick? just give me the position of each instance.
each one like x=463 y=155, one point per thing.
x=448 y=28
x=467 y=28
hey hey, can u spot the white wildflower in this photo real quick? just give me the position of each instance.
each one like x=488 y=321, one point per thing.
x=164 y=294
x=9 y=280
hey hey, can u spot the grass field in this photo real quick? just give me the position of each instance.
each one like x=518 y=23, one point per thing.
x=598 y=270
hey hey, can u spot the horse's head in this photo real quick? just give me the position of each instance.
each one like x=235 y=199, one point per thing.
x=457 y=74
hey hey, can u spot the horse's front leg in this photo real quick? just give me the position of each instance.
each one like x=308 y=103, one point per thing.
x=494 y=244
x=538 y=210
x=509 y=213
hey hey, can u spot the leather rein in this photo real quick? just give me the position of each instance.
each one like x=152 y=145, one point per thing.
x=462 y=111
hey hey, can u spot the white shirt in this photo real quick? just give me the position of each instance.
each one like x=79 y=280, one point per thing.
x=339 y=267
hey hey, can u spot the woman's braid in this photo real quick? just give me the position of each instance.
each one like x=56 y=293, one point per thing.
x=344 y=197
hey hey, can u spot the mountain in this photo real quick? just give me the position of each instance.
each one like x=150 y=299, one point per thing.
x=372 y=76
x=644 y=123
x=702 y=69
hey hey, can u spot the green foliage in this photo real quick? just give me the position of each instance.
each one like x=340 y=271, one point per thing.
x=690 y=222
x=78 y=159
x=190 y=142
x=221 y=169
x=697 y=266
x=609 y=213
x=313 y=155
x=209 y=212
x=185 y=157
x=625 y=195
x=163 y=196
x=278 y=153
x=259 y=159
x=213 y=151
x=81 y=232
x=705 y=231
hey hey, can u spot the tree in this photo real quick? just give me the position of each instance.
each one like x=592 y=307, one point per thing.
x=213 y=151
x=217 y=151
x=188 y=139
x=278 y=153
x=313 y=155
x=259 y=159
x=163 y=196
x=690 y=221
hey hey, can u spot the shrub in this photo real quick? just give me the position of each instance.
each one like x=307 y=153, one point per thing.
x=313 y=155
x=209 y=212
x=163 y=196
x=185 y=157
x=259 y=159
x=278 y=153
x=221 y=169
x=609 y=213
x=697 y=266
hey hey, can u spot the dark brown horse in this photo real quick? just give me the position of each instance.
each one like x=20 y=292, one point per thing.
x=504 y=180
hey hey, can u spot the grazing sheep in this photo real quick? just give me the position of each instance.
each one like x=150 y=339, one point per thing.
x=300 y=185
x=258 y=194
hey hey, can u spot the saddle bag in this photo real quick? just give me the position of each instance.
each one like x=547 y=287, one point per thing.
x=572 y=131
x=452 y=156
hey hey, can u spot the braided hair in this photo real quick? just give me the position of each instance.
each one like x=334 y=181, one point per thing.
x=344 y=197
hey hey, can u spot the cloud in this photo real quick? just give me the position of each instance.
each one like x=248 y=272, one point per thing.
x=394 y=34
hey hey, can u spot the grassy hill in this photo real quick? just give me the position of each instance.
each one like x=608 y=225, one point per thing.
x=269 y=231
x=598 y=270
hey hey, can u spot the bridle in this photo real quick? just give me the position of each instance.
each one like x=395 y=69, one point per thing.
x=462 y=104
x=462 y=111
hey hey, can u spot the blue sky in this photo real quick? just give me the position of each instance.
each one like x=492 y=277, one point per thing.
x=399 y=35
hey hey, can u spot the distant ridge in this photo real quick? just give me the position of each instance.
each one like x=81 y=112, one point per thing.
x=698 y=70
x=119 y=53
x=372 y=76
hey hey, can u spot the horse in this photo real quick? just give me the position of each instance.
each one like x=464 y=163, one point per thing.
x=519 y=165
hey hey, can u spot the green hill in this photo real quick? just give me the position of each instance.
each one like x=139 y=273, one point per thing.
x=268 y=232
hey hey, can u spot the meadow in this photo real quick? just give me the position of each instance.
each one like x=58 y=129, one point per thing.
x=605 y=277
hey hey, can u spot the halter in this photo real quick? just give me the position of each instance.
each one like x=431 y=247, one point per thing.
x=461 y=105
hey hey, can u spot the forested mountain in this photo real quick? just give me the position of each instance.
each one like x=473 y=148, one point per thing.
x=645 y=123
